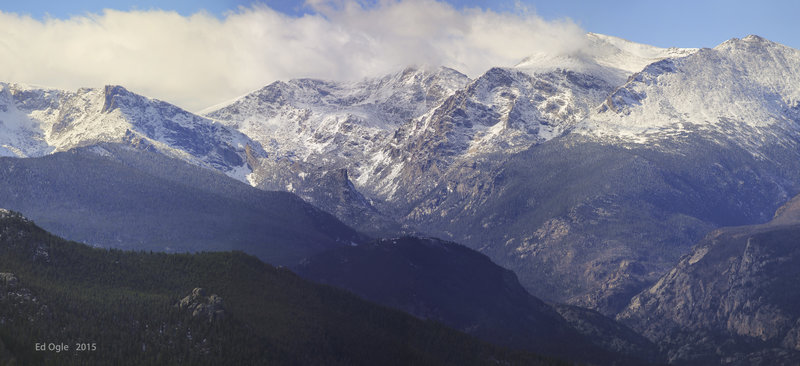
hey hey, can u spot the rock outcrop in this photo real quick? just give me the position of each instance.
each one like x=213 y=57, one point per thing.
x=202 y=306
x=8 y=280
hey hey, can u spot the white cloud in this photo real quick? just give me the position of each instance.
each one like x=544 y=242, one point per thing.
x=200 y=60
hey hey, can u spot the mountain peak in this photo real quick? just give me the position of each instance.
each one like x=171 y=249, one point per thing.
x=750 y=43
x=111 y=94
x=427 y=70
x=750 y=82
x=754 y=38
x=37 y=122
x=608 y=57
x=115 y=89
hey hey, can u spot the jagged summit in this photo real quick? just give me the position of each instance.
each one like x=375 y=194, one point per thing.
x=423 y=84
x=38 y=122
x=749 y=87
x=113 y=94
x=316 y=123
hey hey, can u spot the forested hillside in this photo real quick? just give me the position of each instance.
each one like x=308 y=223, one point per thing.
x=135 y=308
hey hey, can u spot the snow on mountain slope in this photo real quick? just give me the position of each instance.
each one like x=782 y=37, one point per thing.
x=403 y=130
x=630 y=56
x=506 y=111
x=610 y=58
x=336 y=124
x=592 y=217
x=40 y=121
x=313 y=128
x=21 y=135
x=747 y=87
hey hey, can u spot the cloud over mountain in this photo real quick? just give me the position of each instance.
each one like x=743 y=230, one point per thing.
x=199 y=60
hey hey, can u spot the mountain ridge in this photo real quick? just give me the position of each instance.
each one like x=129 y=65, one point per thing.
x=58 y=120
x=117 y=196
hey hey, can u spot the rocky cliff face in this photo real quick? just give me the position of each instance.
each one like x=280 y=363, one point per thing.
x=591 y=223
x=330 y=190
x=333 y=192
x=732 y=299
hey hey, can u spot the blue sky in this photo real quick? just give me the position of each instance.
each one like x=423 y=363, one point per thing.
x=680 y=23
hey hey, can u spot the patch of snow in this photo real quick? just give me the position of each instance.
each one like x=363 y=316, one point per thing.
x=240 y=173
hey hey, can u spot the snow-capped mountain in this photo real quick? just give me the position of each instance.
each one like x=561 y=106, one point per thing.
x=747 y=87
x=312 y=129
x=571 y=170
x=610 y=58
x=603 y=201
x=397 y=134
x=335 y=124
x=588 y=174
x=423 y=159
x=505 y=111
x=40 y=121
